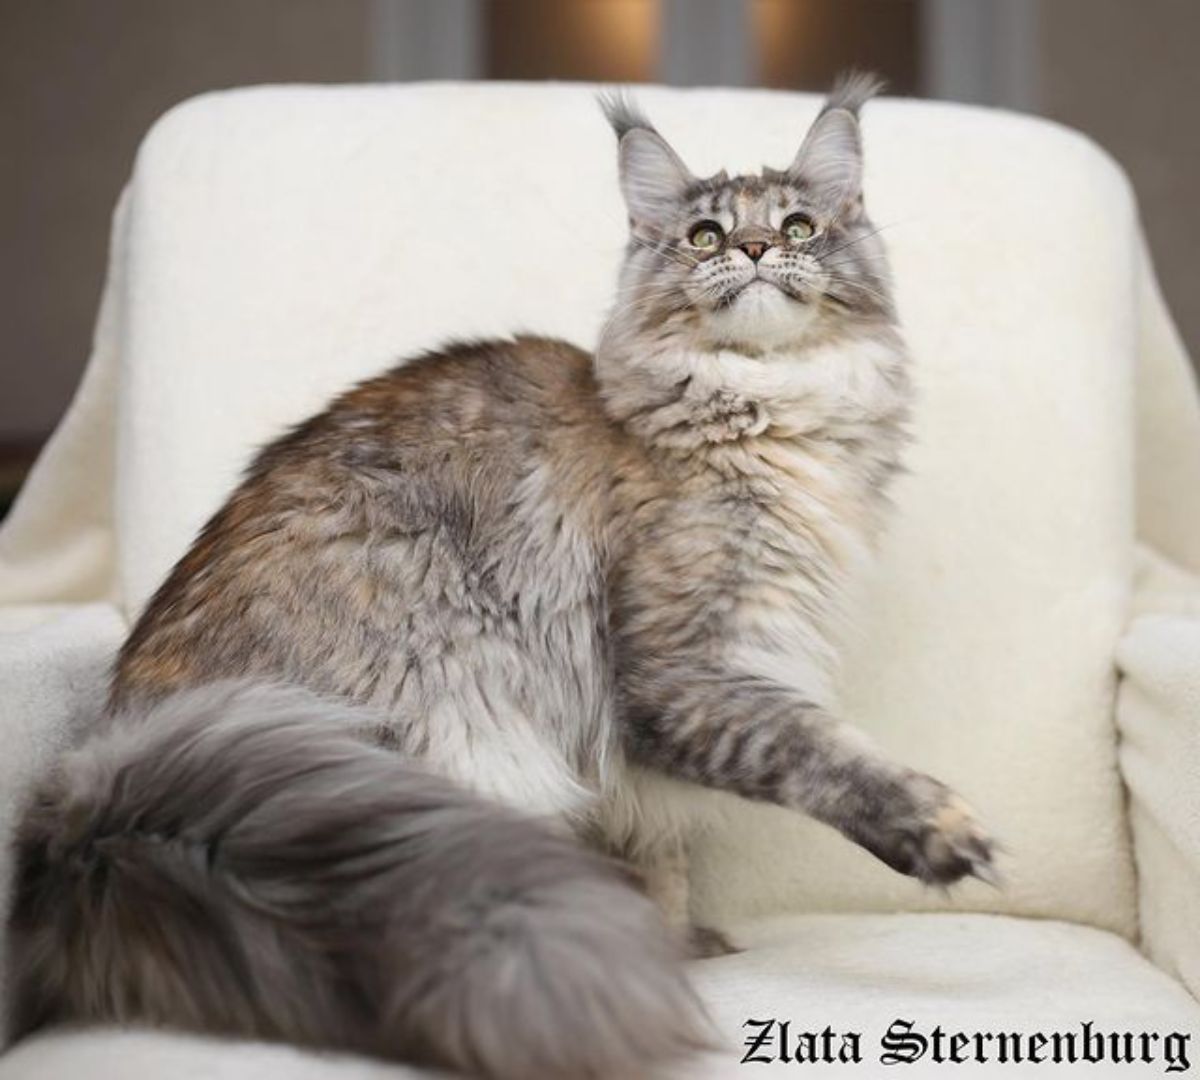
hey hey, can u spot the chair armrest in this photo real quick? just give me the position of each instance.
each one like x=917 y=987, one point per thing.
x=1158 y=715
x=54 y=663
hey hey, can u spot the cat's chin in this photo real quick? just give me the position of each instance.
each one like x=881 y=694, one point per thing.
x=762 y=315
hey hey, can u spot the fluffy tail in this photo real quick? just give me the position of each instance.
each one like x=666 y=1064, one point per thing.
x=239 y=862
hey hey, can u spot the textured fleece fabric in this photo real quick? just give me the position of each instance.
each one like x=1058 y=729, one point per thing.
x=853 y=973
x=1159 y=717
x=275 y=244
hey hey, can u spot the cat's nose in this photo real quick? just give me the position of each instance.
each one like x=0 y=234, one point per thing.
x=754 y=248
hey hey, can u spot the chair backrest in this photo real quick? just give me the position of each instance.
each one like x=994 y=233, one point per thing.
x=286 y=241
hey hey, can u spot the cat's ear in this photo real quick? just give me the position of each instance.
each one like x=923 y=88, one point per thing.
x=830 y=161
x=654 y=179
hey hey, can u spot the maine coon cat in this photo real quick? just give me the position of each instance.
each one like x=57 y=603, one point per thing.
x=401 y=756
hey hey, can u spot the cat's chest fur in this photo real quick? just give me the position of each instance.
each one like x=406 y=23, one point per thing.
x=781 y=498
x=798 y=518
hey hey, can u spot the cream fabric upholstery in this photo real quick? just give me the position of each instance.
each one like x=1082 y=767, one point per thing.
x=1159 y=714
x=859 y=973
x=277 y=243
x=53 y=671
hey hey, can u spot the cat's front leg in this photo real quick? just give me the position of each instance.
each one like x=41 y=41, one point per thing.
x=761 y=739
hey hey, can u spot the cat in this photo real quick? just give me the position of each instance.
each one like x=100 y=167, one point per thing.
x=401 y=757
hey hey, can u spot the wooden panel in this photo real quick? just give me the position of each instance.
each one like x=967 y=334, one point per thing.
x=803 y=44
x=80 y=81
x=594 y=40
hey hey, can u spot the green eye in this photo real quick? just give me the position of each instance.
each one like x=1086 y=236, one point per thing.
x=706 y=236
x=798 y=228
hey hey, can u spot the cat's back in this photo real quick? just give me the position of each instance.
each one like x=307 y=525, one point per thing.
x=457 y=486
x=513 y=392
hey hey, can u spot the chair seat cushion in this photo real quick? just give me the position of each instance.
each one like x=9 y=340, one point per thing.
x=850 y=973
x=966 y=973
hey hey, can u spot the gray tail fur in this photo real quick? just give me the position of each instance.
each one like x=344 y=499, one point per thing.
x=238 y=861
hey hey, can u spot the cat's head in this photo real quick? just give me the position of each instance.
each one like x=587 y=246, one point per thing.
x=756 y=262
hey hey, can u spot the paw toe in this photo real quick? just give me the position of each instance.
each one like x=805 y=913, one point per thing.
x=954 y=846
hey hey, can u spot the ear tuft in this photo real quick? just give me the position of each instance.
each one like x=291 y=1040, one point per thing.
x=622 y=112
x=852 y=90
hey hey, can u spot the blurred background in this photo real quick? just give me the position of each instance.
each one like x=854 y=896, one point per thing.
x=81 y=80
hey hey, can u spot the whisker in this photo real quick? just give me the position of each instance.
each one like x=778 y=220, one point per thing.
x=860 y=257
x=650 y=303
x=844 y=282
x=859 y=239
x=667 y=253
x=648 y=292
x=665 y=300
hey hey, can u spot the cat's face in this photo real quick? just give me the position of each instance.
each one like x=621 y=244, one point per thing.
x=757 y=262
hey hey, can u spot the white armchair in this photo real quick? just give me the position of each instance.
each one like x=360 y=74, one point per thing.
x=275 y=244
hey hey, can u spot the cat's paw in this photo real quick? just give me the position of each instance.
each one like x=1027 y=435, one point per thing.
x=937 y=837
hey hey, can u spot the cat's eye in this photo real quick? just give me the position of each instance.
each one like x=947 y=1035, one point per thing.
x=798 y=228
x=706 y=236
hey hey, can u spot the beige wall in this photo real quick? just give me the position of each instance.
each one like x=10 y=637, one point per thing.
x=1126 y=72
x=80 y=81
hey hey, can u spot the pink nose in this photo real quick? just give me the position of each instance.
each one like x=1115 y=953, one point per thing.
x=754 y=249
